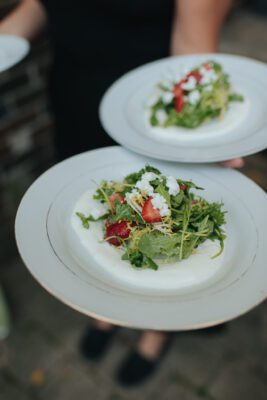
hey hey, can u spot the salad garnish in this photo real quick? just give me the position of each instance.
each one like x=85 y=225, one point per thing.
x=155 y=217
x=199 y=96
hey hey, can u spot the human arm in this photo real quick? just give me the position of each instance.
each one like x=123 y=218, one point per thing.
x=197 y=25
x=28 y=20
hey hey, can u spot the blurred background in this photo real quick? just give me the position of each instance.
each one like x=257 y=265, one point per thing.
x=39 y=359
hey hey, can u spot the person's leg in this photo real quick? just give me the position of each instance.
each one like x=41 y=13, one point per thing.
x=96 y=340
x=151 y=343
x=142 y=362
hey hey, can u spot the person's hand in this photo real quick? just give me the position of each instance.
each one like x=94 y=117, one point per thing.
x=28 y=20
x=235 y=163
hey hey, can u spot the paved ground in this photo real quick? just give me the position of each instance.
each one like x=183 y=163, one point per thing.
x=39 y=360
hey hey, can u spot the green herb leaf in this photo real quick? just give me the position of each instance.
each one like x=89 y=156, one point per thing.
x=139 y=260
x=85 y=220
x=157 y=244
x=163 y=192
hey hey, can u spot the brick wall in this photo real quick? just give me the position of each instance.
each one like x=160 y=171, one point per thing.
x=26 y=130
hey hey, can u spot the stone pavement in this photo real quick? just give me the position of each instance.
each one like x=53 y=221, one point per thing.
x=40 y=361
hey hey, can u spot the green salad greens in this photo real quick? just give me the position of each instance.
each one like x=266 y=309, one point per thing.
x=155 y=217
x=200 y=96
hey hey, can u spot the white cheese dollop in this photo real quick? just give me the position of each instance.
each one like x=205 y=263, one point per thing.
x=130 y=195
x=149 y=176
x=144 y=185
x=193 y=97
x=190 y=84
x=172 y=185
x=208 y=76
x=159 y=202
x=167 y=97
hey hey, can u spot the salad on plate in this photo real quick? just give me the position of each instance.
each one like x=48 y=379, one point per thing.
x=154 y=217
x=201 y=95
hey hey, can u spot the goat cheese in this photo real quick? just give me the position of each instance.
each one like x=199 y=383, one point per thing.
x=190 y=84
x=167 y=97
x=208 y=76
x=193 y=97
x=159 y=202
x=143 y=184
x=172 y=185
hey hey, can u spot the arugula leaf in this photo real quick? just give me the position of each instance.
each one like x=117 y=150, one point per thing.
x=235 y=97
x=189 y=246
x=156 y=244
x=124 y=212
x=103 y=192
x=85 y=220
x=177 y=200
x=189 y=184
x=163 y=192
x=186 y=218
x=139 y=260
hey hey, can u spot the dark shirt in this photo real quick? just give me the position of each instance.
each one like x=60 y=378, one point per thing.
x=94 y=43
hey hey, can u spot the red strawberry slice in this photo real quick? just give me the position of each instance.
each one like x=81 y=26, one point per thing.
x=149 y=213
x=177 y=90
x=178 y=96
x=182 y=187
x=115 y=196
x=120 y=229
x=196 y=74
x=179 y=103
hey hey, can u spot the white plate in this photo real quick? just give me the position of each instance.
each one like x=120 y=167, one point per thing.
x=41 y=228
x=12 y=50
x=125 y=116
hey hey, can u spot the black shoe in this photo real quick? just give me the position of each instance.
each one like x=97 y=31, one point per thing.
x=95 y=343
x=136 y=369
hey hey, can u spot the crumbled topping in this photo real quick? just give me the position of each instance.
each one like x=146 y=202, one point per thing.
x=172 y=185
x=193 y=97
x=167 y=97
x=159 y=202
x=190 y=84
x=208 y=76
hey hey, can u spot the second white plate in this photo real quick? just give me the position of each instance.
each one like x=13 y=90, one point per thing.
x=243 y=131
x=12 y=50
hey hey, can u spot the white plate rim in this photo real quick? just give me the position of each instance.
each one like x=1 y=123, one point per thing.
x=25 y=48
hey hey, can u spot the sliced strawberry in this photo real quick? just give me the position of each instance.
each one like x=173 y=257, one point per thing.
x=196 y=74
x=183 y=187
x=179 y=103
x=120 y=229
x=177 y=90
x=115 y=196
x=149 y=213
